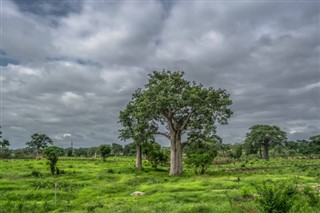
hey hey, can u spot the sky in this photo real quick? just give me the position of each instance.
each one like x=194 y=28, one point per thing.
x=69 y=67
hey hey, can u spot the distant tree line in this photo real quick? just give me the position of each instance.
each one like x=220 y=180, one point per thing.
x=198 y=153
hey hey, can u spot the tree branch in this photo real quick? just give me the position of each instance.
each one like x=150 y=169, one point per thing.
x=169 y=119
x=184 y=124
x=163 y=134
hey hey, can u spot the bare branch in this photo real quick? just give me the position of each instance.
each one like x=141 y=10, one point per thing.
x=163 y=134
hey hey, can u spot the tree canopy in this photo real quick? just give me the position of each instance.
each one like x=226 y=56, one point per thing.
x=264 y=136
x=172 y=106
x=104 y=151
x=39 y=142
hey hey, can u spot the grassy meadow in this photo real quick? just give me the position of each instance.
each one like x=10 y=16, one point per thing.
x=90 y=185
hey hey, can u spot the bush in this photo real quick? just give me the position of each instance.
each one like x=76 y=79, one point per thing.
x=52 y=153
x=36 y=173
x=274 y=198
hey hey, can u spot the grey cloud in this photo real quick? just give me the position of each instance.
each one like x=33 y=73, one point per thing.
x=74 y=77
x=49 y=7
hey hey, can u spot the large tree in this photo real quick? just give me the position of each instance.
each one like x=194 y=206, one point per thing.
x=39 y=142
x=265 y=136
x=171 y=106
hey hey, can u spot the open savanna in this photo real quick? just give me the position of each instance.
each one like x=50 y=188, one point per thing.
x=90 y=185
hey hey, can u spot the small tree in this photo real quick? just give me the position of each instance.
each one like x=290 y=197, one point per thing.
x=201 y=151
x=200 y=159
x=52 y=153
x=135 y=128
x=117 y=149
x=4 y=149
x=104 y=150
x=39 y=142
x=155 y=154
x=238 y=151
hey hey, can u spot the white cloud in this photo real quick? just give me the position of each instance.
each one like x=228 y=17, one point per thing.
x=72 y=99
x=23 y=70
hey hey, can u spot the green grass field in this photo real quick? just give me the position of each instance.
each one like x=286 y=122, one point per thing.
x=89 y=185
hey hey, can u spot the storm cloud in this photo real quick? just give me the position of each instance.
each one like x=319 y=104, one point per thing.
x=69 y=68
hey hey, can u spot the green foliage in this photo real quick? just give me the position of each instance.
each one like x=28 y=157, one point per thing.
x=263 y=137
x=136 y=128
x=116 y=149
x=155 y=154
x=69 y=152
x=104 y=150
x=200 y=155
x=276 y=198
x=285 y=197
x=311 y=196
x=92 y=207
x=39 y=142
x=4 y=143
x=36 y=174
x=4 y=149
x=200 y=159
x=238 y=151
x=303 y=147
x=173 y=104
x=52 y=153
x=129 y=149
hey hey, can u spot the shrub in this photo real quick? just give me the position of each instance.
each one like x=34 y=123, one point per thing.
x=36 y=173
x=110 y=171
x=274 y=198
x=52 y=153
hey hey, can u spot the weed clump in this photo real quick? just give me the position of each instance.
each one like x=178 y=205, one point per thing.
x=276 y=197
x=36 y=174
x=283 y=198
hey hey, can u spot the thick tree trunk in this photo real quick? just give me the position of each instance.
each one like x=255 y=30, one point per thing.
x=138 y=156
x=266 y=151
x=176 y=156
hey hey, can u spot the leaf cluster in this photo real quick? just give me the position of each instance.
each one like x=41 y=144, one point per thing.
x=39 y=141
